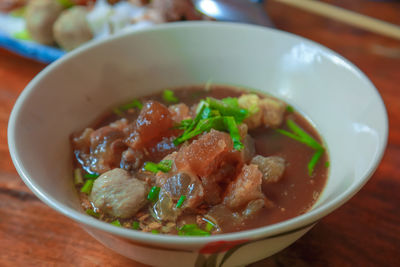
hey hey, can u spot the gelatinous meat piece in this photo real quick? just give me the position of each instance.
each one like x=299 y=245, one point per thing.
x=153 y=123
x=245 y=188
x=271 y=167
x=185 y=184
x=204 y=155
x=119 y=195
x=179 y=112
x=99 y=150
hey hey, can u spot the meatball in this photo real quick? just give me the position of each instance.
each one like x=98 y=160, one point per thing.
x=119 y=195
x=40 y=17
x=72 y=29
x=271 y=167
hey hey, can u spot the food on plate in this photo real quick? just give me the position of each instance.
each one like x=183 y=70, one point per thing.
x=71 y=29
x=70 y=23
x=199 y=161
x=40 y=17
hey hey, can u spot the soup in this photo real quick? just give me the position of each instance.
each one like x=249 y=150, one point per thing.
x=199 y=160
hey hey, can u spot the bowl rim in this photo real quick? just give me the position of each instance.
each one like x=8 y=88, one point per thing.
x=297 y=223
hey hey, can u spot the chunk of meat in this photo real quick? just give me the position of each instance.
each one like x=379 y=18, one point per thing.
x=184 y=184
x=272 y=168
x=179 y=112
x=245 y=188
x=268 y=111
x=216 y=183
x=251 y=102
x=173 y=10
x=249 y=149
x=119 y=195
x=204 y=155
x=153 y=123
x=99 y=150
x=132 y=159
x=272 y=112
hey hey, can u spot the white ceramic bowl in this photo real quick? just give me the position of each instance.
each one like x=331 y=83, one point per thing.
x=66 y=96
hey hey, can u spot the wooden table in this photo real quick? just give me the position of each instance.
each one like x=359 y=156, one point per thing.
x=364 y=232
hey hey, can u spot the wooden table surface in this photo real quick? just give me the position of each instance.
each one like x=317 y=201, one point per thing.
x=364 y=232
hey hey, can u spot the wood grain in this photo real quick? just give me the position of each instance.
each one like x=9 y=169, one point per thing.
x=364 y=232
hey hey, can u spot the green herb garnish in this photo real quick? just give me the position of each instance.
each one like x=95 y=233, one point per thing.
x=301 y=136
x=221 y=115
x=91 y=175
x=289 y=109
x=92 y=213
x=155 y=231
x=134 y=104
x=192 y=230
x=327 y=164
x=169 y=96
x=164 y=166
x=228 y=107
x=116 y=223
x=209 y=226
x=180 y=201
x=230 y=124
x=153 y=194
x=87 y=187
x=135 y=225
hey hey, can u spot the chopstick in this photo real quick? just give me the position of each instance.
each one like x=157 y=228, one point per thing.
x=346 y=16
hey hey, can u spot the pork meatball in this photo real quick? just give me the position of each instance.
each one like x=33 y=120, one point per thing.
x=72 y=29
x=40 y=17
x=118 y=194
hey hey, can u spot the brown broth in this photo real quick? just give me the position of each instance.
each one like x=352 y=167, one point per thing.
x=295 y=193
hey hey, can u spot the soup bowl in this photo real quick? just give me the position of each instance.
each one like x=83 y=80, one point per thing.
x=329 y=91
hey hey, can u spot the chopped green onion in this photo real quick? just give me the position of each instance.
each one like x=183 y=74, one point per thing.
x=180 y=201
x=22 y=35
x=78 y=176
x=204 y=125
x=164 y=166
x=209 y=226
x=116 y=223
x=87 y=187
x=289 y=109
x=91 y=175
x=234 y=132
x=135 y=225
x=134 y=104
x=92 y=213
x=184 y=124
x=153 y=194
x=169 y=96
x=311 y=165
x=192 y=230
x=327 y=164
x=301 y=136
x=155 y=231
x=228 y=108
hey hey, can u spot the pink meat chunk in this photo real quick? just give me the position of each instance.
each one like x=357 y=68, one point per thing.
x=245 y=188
x=179 y=112
x=204 y=155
